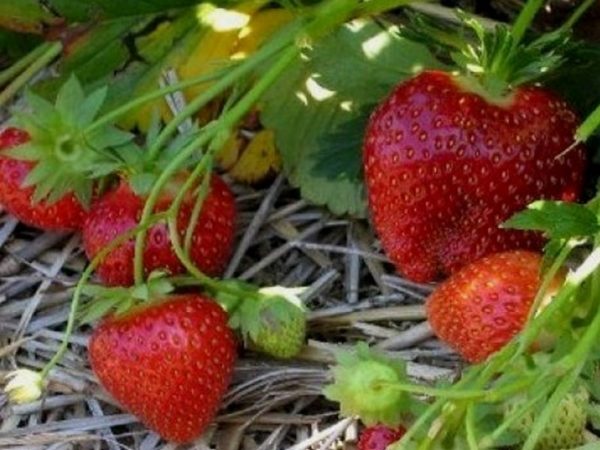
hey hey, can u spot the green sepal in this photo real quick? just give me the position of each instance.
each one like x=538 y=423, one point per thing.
x=365 y=386
x=492 y=59
x=65 y=153
x=119 y=300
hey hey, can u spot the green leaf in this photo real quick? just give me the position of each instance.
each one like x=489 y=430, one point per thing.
x=166 y=46
x=315 y=103
x=342 y=160
x=556 y=219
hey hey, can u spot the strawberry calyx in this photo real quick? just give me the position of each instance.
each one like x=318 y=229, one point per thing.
x=121 y=300
x=262 y=315
x=66 y=158
x=494 y=61
x=365 y=385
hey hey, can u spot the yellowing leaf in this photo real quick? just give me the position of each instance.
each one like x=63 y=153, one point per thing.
x=222 y=27
x=262 y=25
x=230 y=153
x=258 y=160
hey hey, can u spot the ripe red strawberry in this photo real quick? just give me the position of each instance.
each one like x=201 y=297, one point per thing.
x=168 y=362
x=119 y=210
x=481 y=307
x=67 y=213
x=444 y=166
x=378 y=437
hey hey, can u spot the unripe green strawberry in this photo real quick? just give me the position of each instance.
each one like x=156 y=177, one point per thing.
x=565 y=428
x=364 y=384
x=281 y=338
x=272 y=320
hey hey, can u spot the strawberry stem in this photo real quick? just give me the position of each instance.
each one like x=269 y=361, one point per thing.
x=470 y=427
x=588 y=127
x=514 y=417
x=580 y=11
x=50 y=52
x=530 y=332
x=226 y=121
x=8 y=74
x=267 y=52
x=195 y=216
x=87 y=273
x=524 y=19
x=116 y=113
x=563 y=388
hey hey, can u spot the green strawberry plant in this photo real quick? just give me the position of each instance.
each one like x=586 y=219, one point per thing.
x=515 y=397
x=272 y=319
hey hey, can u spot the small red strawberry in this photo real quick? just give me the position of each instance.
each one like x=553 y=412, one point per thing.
x=447 y=161
x=481 y=307
x=67 y=213
x=168 y=362
x=51 y=164
x=119 y=211
x=378 y=437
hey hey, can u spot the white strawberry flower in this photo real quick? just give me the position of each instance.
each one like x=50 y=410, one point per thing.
x=24 y=386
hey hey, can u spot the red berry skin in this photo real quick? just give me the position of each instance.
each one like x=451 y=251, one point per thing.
x=481 y=307
x=119 y=211
x=378 y=437
x=66 y=214
x=444 y=167
x=168 y=363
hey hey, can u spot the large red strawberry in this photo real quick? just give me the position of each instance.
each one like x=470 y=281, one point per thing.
x=379 y=437
x=119 y=211
x=67 y=213
x=482 y=306
x=445 y=164
x=168 y=362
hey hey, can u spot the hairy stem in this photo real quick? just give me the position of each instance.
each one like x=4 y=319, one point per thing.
x=50 y=52
x=197 y=210
x=226 y=122
x=588 y=127
x=524 y=19
x=580 y=11
x=8 y=74
x=228 y=80
x=563 y=388
x=116 y=113
x=87 y=273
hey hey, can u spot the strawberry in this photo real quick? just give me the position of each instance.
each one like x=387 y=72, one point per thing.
x=51 y=164
x=284 y=338
x=274 y=321
x=566 y=426
x=168 y=362
x=67 y=213
x=119 y=211
x=378 y=437
x=481 y=307
x=446 y=161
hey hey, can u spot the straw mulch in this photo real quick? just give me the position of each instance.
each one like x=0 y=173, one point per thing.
x=353 y=294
